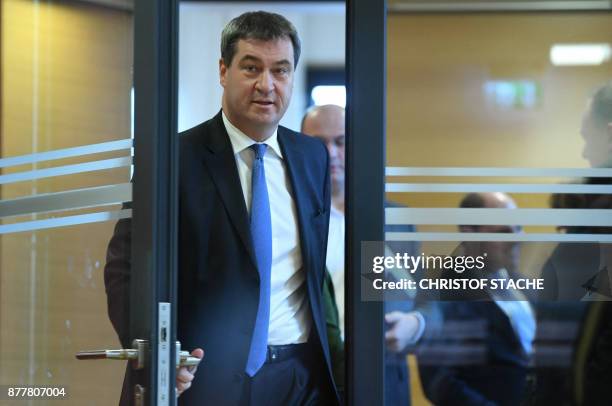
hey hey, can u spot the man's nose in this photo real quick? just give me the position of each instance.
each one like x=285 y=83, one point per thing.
x=265 y=82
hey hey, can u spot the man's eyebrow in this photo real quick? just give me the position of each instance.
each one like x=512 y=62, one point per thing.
x=253 y=58
x=283 y=62
x=248 y=58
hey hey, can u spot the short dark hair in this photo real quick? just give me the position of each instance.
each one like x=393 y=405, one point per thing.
x=601 y=106
x=472 y=201
x=259 y=25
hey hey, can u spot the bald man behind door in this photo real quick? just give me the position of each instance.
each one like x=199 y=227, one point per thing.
x=406 y=326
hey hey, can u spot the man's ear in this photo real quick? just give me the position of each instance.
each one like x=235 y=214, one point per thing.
x=222 y=72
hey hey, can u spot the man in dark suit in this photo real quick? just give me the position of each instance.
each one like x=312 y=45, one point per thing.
x=577 y=277
x=254 y=205
x=486 y=343
x=592 y=366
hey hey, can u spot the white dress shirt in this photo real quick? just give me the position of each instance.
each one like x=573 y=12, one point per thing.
x=517 y=308
x=290 y=319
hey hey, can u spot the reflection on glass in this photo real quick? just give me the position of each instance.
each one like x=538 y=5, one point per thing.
x=579 y=54
x=323 y=95
x=511 y=94
x=483 y=104
x=66 y=80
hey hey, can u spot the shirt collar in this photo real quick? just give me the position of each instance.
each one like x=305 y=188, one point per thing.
x=240 y=141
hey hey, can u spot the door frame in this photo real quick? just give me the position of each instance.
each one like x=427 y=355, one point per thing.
x=155 y=186
x=366 y=30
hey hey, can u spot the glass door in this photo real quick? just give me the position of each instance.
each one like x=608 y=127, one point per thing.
x=497 y=147
x=478 y=127
x=86 y=256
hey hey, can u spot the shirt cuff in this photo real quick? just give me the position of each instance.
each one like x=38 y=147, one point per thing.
x=421 y=329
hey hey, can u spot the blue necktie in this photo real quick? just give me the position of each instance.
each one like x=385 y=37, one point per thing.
x=261 y=233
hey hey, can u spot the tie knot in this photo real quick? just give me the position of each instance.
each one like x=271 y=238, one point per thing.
x=260 y=150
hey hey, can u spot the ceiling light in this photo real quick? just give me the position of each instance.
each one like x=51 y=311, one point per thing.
x=323 y=94
x=579 y=54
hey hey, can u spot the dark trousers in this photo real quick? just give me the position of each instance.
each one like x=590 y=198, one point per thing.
x=297 y=379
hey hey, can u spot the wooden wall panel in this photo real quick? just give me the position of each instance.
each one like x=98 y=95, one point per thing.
x=66 y=81
x=437 y=112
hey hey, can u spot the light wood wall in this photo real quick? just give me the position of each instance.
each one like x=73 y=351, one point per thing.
x=66 y=81
x=438 y=115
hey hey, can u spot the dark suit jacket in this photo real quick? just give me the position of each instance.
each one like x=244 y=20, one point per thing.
x=478 y=359
x=218 y=290
x=592 y=367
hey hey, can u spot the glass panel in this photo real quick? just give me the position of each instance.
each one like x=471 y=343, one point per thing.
x=498 y=149
x=66 y=80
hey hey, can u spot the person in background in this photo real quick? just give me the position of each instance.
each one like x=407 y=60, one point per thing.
x=488 y=337
x=577 y=277
x=592 y=369
x=406 y=326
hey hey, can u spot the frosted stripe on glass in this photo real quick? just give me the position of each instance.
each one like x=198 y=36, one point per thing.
x=65 y=221
x=535 y=237
x=66 y=170
x=67 y=153
x=518 y=172
x=566 y=217
x=71 y=199
x=496 y=187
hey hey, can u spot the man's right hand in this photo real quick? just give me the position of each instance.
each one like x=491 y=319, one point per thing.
x=184 y=375
x=402 y=330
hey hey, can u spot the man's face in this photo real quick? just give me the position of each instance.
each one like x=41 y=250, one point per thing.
x=330 y=130
x=500 y=254
x=597 y=142
x=257 y=84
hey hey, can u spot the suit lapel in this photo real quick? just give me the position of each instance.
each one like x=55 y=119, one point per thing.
x=220 y=161
x=307 y=206
x=294 y=161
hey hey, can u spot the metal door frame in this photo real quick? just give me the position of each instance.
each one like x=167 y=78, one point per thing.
x=155 y=190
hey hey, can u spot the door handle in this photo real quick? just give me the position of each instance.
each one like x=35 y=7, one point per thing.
x=184 y=359
x=137 y=355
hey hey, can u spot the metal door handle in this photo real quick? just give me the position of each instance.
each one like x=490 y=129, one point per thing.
x=136 y=355
x=121 y=354
x=184 y=359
